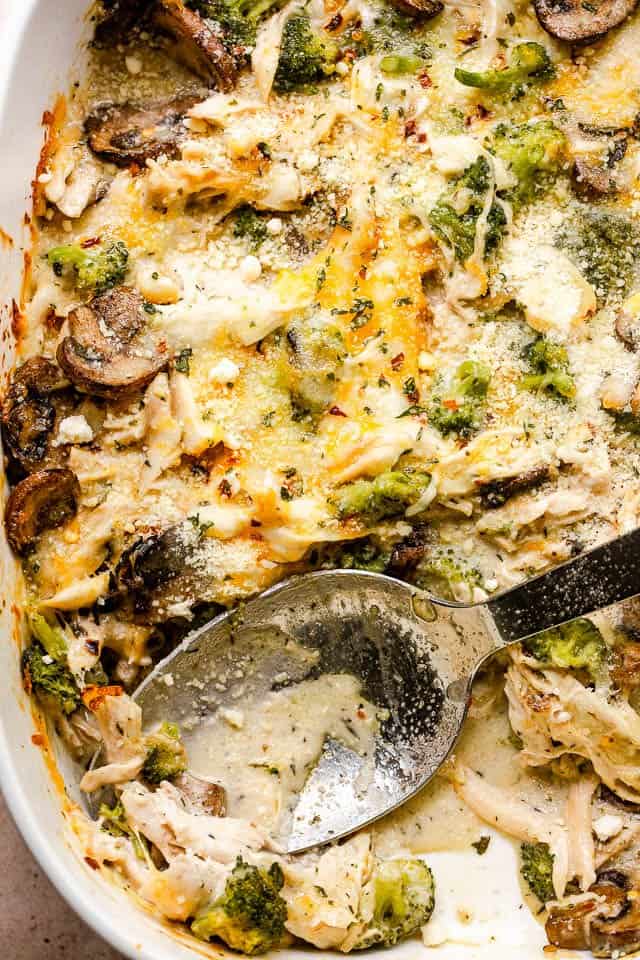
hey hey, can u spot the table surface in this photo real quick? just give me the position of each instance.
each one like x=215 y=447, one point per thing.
x=35 y=922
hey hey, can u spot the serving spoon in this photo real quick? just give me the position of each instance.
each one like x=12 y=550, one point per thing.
x=414 y=656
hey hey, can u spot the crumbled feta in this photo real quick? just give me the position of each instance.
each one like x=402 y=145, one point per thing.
x=607 y=826
x=225 y=371
x=250 y=268
x=274 y=226
x=73 y=430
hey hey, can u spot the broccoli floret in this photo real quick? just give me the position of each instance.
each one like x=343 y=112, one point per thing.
x=403 y=899
x=388 y=495
x=537 y=869
x=578 y=645
x=533 y=153
x=388 y=31
x=455 y=216
x=51 y=681
x=364 y=555
x=237 y=19
x=550 y=364
x=250 y=225
x=529 y=61
x=441 y=574
x=305 y=58
x=114 y=821
x=313 y=360
x=93 y=270
x=457 y=406
x=250 y=915
x=166 y=757
x=48 y=631
x=605 y=247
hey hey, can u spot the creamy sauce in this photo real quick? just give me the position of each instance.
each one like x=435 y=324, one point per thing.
x=263 y=752
x=437 y=820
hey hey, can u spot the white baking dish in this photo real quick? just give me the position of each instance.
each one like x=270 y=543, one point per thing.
x=39 y=44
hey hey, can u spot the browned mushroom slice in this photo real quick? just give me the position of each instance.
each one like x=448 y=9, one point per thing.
x=495 y=493
x=195 y=44
x=126 y=133
x=625 y=668
x=579 y=22
x=408 y=552
x=203 y=795
x=120 y=17
x=107 y=352
x=568 y=927
x=420 y=9
x=593 y=181
x=29 y=415
x=45 y=499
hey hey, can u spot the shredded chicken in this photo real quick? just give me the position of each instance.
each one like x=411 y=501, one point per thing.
x=581 y=844
x=516 y=818
x=120 y=723
x=555 y=714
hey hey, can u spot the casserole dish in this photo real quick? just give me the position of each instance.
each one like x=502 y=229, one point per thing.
x=480 y=911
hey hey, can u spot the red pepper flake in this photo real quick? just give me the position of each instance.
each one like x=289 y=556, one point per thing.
x=336 y=412
x=450 y=404
x=91 y=242
x=335 y=22
x=92 y=863
x=362 y=273
x=93 y=696
x=421 y=138
x=397 y=361
x=37 y=740
x=361 y=714
x=255 y=523
x=425 y=80
x=409 y=128
x=224 y=488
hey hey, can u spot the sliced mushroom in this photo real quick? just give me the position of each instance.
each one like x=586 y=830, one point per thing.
x=579 y=22
x=495 y=493
x=615 y=930
x=45 y=499
x=195 y=44
x=609 y=926
x=625 y=672
x=120 y=17
x=408 y=552
x=593 y=181
x=420 y=9
x=107 y=352
x=568 y=927
x=29 y=414
x=125 y=133
x=153 y=560
x=204 y=796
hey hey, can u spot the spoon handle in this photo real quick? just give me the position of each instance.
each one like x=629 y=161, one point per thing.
x=595 y=579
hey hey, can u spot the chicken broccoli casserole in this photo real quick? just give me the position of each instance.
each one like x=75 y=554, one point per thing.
x=323 y=285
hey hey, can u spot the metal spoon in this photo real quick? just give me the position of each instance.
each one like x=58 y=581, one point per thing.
x=414 y=656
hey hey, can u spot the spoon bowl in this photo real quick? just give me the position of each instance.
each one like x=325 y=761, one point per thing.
x=414 y=657
x=398 y=645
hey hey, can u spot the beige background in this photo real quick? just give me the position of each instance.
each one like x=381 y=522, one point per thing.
x=35 y=923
